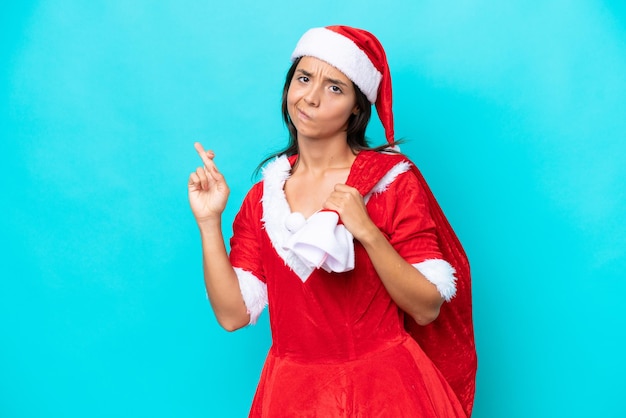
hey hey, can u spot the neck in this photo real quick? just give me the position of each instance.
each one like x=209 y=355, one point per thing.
x=321 y=155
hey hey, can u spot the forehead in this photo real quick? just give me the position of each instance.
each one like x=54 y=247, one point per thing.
x=314 y=65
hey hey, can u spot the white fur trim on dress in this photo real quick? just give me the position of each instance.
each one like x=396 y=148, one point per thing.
x=254 y=293
x=284 y=232
x=276 y=211
x=343 y=54
x=441 y=274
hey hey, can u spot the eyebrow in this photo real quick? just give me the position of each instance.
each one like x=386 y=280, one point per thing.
x=332 y=80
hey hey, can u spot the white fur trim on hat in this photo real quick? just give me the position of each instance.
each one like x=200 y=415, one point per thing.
x=254 y=293
x=343 y=54
x=441 y=274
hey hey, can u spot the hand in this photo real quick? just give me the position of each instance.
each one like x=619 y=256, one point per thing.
x=348 y=203
x=208 y=191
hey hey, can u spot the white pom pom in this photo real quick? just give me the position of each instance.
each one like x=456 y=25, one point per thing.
x=294 y=221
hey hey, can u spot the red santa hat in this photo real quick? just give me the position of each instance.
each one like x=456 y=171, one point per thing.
x=361 y=57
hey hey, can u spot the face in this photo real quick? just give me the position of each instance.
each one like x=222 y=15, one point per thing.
x=320 y=100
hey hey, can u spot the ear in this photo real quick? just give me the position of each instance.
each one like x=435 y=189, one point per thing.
x=356 y=110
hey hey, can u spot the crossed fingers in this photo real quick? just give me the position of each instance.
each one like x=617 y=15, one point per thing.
x=208 y=172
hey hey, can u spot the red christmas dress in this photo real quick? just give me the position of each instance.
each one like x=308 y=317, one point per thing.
x=340 y=347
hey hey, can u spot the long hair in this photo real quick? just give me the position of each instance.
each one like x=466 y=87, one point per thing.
x=355 y=131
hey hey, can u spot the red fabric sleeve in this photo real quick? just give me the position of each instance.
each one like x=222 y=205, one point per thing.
x=245 y=244
x=408 y=222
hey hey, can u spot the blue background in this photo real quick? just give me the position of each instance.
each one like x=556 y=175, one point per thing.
x=515 y=112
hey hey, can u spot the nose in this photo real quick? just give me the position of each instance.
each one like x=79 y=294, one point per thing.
x=312 y=96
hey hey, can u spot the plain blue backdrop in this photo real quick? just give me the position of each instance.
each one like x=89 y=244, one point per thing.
x=515 y=112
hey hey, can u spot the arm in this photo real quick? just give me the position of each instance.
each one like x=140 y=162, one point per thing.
x=208 y=193
x=411 y=291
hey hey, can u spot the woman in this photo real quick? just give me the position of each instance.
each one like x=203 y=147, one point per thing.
x=350 y=250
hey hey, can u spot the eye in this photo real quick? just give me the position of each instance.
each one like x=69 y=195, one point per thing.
x=336 y=89
x=303 y=79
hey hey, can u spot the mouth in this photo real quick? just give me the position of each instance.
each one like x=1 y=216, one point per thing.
x=302 y=114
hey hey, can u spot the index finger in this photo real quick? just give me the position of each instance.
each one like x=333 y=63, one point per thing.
x=200 y=149
x=341 y=187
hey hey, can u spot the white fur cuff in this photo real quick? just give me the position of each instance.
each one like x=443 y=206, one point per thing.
x=441 y=274
x=254 y=293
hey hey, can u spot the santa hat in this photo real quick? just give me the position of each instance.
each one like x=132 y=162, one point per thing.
x=361 y=57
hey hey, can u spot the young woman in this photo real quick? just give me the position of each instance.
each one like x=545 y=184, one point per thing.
x=367 y=285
